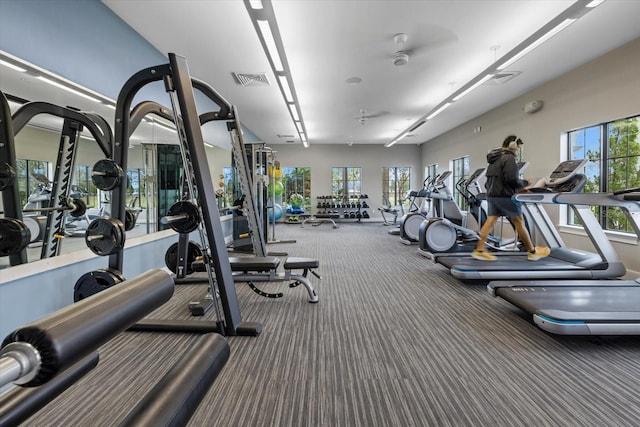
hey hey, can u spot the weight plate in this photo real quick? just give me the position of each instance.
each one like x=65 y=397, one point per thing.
x=105 y=236
x=129 y=220
x=7 y=175
x=96 y=281
x=171 y=256
x=14 y=236
x=80 y=209
x=106 y=174
x=36 y=225
x=191 y=217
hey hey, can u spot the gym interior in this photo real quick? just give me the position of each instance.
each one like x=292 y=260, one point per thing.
x=179 y=256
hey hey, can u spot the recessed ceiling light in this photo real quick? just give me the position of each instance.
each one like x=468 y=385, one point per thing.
x=353 y=80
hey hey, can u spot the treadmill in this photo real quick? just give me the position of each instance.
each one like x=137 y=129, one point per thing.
x=579 y=307
x=563 y=262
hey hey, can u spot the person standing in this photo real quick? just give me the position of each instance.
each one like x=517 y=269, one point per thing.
x=502 y=183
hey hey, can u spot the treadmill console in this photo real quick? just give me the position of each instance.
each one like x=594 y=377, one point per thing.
x=562 y=173
x=565 y=170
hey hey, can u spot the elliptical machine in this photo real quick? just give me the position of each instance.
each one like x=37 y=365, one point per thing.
x=410 y=223
x=448 y=234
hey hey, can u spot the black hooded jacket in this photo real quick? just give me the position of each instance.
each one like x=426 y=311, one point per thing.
x=502 y=174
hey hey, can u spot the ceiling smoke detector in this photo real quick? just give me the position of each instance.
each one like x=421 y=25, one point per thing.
x=401 y=57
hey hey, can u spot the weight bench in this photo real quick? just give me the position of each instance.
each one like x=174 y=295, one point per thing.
x=265 y=269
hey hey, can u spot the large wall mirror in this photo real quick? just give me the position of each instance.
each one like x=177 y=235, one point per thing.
x=154 y=170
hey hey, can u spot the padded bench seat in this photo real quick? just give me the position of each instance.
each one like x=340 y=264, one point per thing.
x=297 y=263
x=254 y=263
x=264 y=269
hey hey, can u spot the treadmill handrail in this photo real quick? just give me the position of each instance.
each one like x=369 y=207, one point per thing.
x=630 y=208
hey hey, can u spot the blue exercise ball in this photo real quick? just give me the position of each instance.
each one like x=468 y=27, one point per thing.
x=278 y=212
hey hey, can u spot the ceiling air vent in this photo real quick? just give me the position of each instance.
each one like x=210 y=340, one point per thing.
x=502 y=77
x=251 y=79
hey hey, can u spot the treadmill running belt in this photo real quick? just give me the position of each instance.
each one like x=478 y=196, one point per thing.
x=574 y=303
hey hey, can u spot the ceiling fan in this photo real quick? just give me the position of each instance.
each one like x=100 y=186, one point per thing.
x=364 y=116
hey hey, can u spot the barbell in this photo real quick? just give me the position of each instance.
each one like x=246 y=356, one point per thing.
x=77 y=208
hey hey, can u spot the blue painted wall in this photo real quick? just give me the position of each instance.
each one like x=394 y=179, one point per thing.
x=85 y=42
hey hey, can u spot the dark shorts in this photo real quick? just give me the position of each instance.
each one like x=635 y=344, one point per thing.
x=503 y=206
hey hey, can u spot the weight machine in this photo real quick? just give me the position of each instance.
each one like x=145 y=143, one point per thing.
x=179 y=84
x=15 y=233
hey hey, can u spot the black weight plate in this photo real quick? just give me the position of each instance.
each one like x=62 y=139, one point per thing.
x=80 y=209
x=106 y=174
x=14 y=236
x=129 y=220
x=7 y=175
x=171 y=256
x=94 y=282
x=105 y=236
x=188 y=224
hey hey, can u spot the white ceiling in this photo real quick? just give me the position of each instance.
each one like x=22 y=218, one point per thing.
x=329 y=41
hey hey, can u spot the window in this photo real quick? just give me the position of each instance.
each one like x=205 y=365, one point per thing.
x=83 y=187
x=346 y=182
x=225 y=193
x=460 y=171
x=396 y=183
x=32 y=177
x=430 y=172
x=297 y=181
x=613 y=151
x=135 y=187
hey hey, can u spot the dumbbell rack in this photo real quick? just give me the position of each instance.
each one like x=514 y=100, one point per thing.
x=342 y=208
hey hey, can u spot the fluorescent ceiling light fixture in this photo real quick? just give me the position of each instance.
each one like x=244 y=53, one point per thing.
x=555 y=30
x=272 y=49
x=12 y=66
x=286 y=89
x=594 y=3
x=472 y=87
x=439 y=110
x=398 y=138
x=67 y=88
x=294 y=112
x=416 y=126
x=266 y=25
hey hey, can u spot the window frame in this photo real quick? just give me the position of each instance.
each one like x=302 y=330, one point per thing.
x=341 y=177
x=599 y=169
x=395 y=185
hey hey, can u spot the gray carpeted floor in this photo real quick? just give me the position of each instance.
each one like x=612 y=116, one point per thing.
x=394 y=341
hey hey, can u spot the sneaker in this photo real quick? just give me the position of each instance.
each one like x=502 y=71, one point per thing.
x=483 y=255
x=539 y=252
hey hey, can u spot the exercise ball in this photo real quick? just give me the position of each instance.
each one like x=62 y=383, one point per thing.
x=278 y=212
x=296 y=200
x=276 y=188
